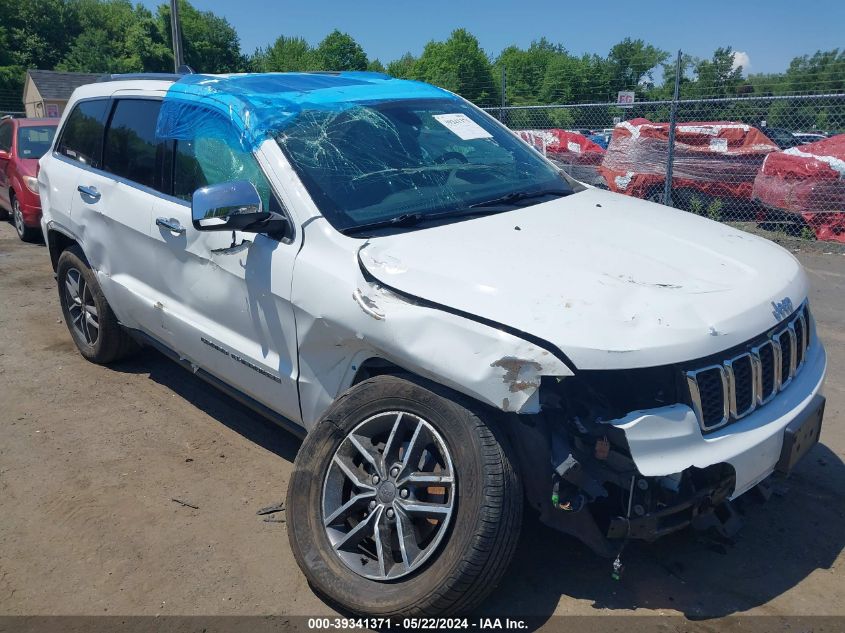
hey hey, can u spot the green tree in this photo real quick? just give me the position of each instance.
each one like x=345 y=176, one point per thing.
x=525 y=70
x=460 y=65
x=210 y=43
x=403 y=68
x=667 y=90
x=339 y=51
x=37 y=34
x=631 y=63
x=116 y=38
x=375 y=66
x=823 y=71
x=717 y=77
x=286 y=54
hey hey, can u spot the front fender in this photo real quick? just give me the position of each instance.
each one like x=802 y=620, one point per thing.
x=344 y=318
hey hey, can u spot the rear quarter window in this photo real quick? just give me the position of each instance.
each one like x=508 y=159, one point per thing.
x=82 y=136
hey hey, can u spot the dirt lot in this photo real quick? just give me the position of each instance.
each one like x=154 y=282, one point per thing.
x=91 y=458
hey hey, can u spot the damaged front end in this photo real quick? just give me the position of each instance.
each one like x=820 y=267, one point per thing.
x=580 y=475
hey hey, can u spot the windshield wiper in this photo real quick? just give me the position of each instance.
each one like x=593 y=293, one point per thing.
x=479 y=208
x=519 y=196
x=405 y=219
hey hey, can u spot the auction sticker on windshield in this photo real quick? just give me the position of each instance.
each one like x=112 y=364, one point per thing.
x=461 y=125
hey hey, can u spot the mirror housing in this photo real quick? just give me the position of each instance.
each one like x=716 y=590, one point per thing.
x=234 y=206
x=4 y=155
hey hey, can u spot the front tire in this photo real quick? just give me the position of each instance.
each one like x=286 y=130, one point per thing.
x=25 y=233
x=91 y=322
x=403 y=501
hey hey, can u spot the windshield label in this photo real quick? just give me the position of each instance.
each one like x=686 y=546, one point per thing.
x=462 y=126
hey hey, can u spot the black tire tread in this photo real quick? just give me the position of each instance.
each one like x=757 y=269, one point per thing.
x=114 y=341
x=30 y=233
x=492 y=547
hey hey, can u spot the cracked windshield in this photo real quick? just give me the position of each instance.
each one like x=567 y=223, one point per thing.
x=410 y=163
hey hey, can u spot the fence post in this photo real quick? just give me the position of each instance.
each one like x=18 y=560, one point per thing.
x=673 y=113
x=503 y=117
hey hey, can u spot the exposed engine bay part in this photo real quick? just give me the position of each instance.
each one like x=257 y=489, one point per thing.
x=606 y=503
x=607 y=476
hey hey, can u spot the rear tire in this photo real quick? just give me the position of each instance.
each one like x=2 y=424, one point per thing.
x=471 y=546
x=91 y=322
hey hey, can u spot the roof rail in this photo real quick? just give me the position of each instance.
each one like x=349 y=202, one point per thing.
x=136 y=76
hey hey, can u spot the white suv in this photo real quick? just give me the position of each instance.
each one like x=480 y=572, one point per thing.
x=451 y=323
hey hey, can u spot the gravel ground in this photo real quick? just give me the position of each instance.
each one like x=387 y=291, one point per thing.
x=92 y=458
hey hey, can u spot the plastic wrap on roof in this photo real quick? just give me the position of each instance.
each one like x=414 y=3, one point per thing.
x=808 y=180
x=718 y=158
x=262 y=104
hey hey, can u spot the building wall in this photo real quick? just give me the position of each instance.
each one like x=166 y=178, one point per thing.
x=41 y=109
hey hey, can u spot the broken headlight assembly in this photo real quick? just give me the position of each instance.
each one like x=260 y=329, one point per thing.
x=591 y=468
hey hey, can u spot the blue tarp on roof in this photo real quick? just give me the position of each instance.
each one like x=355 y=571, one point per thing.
x=259 y=104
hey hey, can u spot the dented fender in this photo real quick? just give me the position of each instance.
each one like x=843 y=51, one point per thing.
x=354 y=318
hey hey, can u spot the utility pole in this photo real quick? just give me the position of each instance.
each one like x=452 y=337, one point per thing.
x=673 y=115
x=176 y=36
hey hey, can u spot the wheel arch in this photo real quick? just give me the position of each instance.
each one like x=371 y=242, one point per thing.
x=57 y=242
x=378 y=366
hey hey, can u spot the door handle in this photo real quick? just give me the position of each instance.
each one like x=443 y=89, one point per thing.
x=91 y=192
x=170 y=225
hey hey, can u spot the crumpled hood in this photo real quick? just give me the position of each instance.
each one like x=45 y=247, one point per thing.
x=611 y=281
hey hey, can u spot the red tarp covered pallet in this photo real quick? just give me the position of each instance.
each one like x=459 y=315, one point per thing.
x=574 y=152
x=717 y=158
x=808 y=180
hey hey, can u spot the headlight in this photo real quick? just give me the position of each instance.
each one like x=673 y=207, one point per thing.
x=31 y=183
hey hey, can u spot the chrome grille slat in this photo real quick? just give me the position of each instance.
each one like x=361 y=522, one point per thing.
x=786 y=339
x=746 y=383
x=766 y=359
x=704 y=402
x=723 y=392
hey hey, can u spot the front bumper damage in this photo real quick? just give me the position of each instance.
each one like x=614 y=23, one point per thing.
x=661 y=473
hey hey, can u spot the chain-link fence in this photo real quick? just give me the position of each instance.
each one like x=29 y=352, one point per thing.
x=774 y=162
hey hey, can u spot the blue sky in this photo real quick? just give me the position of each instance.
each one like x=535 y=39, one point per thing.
x=769 y=32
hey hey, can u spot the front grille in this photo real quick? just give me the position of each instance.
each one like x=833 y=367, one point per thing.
x=726 y=391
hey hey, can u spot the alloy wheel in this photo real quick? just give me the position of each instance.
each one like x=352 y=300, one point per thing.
x=17 y=218
x=81 y=307
x=388 y=495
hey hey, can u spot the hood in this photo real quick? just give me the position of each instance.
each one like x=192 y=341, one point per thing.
x=611 y=281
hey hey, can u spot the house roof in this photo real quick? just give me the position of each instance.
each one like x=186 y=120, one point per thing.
x=52 y=84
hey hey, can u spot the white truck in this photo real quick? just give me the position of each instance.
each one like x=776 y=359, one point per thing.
x=453 y=326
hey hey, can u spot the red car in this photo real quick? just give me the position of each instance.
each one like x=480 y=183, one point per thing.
x=22 y=143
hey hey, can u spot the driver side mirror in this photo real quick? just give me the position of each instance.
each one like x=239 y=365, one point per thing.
x=234 y=206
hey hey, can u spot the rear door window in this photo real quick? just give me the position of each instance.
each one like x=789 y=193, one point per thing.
x=131 y=150
x=82 y=136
